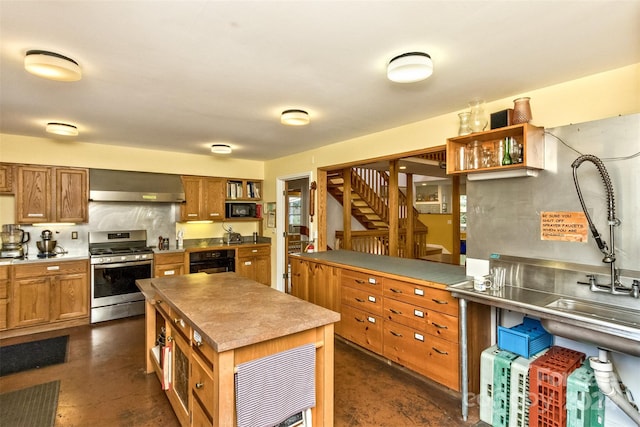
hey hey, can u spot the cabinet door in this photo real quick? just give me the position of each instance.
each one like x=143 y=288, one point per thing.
x=33 y=202
x=7 y=172
x=69 y=297
x=213 y=189
x=362 y=328
x=203 y=390
x=4 y=289
x=191 y=209
x=178 y=393
x=29 y=302
x=299 y=279
x=72 y=195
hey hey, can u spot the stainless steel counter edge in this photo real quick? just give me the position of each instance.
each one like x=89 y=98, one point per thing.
x=70 y=256
x=538 y=308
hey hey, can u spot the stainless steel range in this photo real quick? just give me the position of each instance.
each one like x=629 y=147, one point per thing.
x=118 y=259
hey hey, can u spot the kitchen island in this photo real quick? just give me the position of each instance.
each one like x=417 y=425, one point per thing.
x=212 y=324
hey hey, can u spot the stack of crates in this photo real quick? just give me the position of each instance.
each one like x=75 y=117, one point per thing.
x=501 y=387
x=548 y=386
x=585 y=401
x=519 y=400
x=486 y=383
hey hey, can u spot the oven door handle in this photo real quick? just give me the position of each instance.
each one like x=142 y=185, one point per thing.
x=120 y=264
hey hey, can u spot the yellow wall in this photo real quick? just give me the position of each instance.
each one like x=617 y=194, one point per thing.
x=599 y=96
x=439 y=230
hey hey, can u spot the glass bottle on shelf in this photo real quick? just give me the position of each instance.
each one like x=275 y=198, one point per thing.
x=506 y=159
x=465 y=126
x=475 y=155
x=479 y=120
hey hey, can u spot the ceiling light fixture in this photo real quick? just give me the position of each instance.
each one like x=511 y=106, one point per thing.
x=51 y=65
x=63 y=129
x=410 y=67
x=294 y=118
x=221 y=149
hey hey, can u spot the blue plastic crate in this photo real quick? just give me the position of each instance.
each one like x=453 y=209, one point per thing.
x=525 y=339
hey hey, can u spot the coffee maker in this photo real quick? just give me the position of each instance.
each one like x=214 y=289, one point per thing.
x=13 y=241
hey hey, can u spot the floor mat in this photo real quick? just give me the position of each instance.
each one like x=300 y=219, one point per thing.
x=32 y=406
x=32 y=355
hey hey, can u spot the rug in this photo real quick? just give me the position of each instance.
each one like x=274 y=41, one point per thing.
x=30 y=407
x=32 y=355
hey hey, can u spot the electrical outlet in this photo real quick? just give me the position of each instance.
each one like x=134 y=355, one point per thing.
x=74 y=235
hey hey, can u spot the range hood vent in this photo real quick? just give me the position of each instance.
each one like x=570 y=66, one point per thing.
x=127 y=186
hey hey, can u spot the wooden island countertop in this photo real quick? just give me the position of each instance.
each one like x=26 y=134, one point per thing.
x=218 y=321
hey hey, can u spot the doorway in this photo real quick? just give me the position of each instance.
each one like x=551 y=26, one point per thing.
x=292 y=226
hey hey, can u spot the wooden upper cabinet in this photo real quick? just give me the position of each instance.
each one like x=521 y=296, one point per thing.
x=33 y=204
x=72 y=195
x=204 y=198
x=7 y=175
x=214 y=198
x=50 y=194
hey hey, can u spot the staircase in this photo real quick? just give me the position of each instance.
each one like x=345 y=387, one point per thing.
x=369 y=203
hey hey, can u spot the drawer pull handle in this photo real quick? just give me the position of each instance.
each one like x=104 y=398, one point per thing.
x=254 y=250
x=192 y=214
x=359 y=299
x=395 y=291
x=169 y=272
x=35 y=215
x=180 y=322
x=359 y=320
x=199 y=385
x=439 y=301
x=53 y=268
x=439 y=351
x=169 y=338
x=395 y=334
x=394 y=311
x=198 y=343
x=439 y=326
x=360 y=282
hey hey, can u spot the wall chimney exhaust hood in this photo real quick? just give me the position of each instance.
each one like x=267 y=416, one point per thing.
x=127 y=186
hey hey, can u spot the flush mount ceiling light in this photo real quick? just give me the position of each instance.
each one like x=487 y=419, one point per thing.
x=62 y=129
x=221 y=149
x=51 y=65
x=410 y=67
x=294 y=118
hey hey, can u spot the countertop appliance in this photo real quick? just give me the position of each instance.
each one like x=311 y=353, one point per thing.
x=240 y=210
x=213 y=261
x=47 y=245
x=118 y=259
x=13 y=241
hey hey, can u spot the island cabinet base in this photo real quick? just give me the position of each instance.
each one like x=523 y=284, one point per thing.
x=200 y=381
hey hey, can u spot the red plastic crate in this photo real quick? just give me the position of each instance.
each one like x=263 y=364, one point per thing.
x=548 y=385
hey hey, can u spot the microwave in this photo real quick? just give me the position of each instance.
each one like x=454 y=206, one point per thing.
x=240 y=210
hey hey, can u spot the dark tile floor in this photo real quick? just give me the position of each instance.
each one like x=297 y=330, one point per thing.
x=103 y=384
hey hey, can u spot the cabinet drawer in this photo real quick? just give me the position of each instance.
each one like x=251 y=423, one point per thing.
x=442 y=325
x=362 y=300
x=178 y=322
x=200 y=345
x=406 y=314
x=4 y=272
x=250 y=251
x=202 y=384
x=362 y=328
x=441 y=362
x=424 y=296
x=404 y=345
x=50 y=268
x=366 y=282
x=170 y=258
x=4 y=285
x=169 y=270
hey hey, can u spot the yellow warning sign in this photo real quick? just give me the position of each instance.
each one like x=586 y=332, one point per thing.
x=564 y=226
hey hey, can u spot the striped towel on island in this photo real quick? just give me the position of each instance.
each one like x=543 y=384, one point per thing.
x=271 y=389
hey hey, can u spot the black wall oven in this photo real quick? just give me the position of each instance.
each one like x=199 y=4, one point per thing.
x=213 y=261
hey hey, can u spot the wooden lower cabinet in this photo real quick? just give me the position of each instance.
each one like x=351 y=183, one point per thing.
x=4 y=295
x=48 y=293
x=413 y=323
x=254 y=262
x=169 y=264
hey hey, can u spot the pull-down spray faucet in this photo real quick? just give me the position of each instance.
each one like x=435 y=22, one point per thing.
x=615 y=287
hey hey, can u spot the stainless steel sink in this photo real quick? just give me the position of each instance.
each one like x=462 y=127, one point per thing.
x=605 y=312
x=604 y=325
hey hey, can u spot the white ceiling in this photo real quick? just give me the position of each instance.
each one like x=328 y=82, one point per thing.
x=180 y=75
